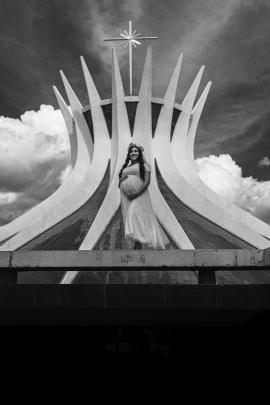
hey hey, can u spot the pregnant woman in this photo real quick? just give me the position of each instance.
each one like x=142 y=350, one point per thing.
x=142 y=229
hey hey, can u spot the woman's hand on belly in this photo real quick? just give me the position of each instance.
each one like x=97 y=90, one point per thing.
x=124 y=177
x=131 y=196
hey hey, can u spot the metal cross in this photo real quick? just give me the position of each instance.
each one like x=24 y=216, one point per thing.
x=131 y=39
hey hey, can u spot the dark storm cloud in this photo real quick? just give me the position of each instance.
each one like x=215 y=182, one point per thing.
x=236 y=114
x=14 y=177
x=40 y=37
x=37 y=38
x=45 y=179
x=231 y=114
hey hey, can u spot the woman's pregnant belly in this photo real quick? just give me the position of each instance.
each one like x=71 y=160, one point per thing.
x=131 y=183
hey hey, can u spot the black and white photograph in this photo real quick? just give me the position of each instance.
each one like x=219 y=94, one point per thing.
x=134 y=168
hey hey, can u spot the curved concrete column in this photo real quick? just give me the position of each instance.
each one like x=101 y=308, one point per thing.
x=70 y=125
x=80 y=184
x=179 y=138
x=179 y=175
x=59 y=195
x=232 y=210
x=161 y=140
x=77 y=111
x=121 y=138
x=195 y=117
x=143 y=135
x=169 y=98
x=102 y=144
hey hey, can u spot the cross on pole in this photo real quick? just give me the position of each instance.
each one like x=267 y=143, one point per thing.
x=131 y=39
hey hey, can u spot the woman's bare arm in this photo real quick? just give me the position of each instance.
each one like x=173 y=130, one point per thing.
x=122 y=178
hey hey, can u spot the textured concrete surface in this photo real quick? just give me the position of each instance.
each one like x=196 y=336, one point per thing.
x=203 y=233
x=69 y=233
x=228 y=259
x=239 y=266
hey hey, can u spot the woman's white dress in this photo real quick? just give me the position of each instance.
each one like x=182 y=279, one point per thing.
x=138 y=215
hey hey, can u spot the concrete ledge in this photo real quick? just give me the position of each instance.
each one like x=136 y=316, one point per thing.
x=235 y=259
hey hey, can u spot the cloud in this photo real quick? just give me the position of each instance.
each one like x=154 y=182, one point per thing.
x=224 y=176
x=264 y=162
x=8 y=198
x=25 y=143
x=34 y=159
x=64 y=174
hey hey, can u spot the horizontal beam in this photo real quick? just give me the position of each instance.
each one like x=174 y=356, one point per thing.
x=128 y=99
x=235 y=259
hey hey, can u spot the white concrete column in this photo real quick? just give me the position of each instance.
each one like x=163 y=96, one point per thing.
x=121 y=138
x=77 y=189
x=70 y=125
x=179 y=139
x=80 y=122
x=143 y=136
x=102 y=142
x=233 y=212
x=142 y=133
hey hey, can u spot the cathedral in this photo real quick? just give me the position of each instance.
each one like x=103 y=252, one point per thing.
x=85 y=212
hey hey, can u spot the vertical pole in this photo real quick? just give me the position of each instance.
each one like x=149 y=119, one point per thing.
x=130 y=68
x=130 y=59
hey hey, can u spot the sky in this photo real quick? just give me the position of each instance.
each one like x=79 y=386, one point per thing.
x=230 y=37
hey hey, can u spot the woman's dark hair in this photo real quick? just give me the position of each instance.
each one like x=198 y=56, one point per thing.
x=140 y=161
